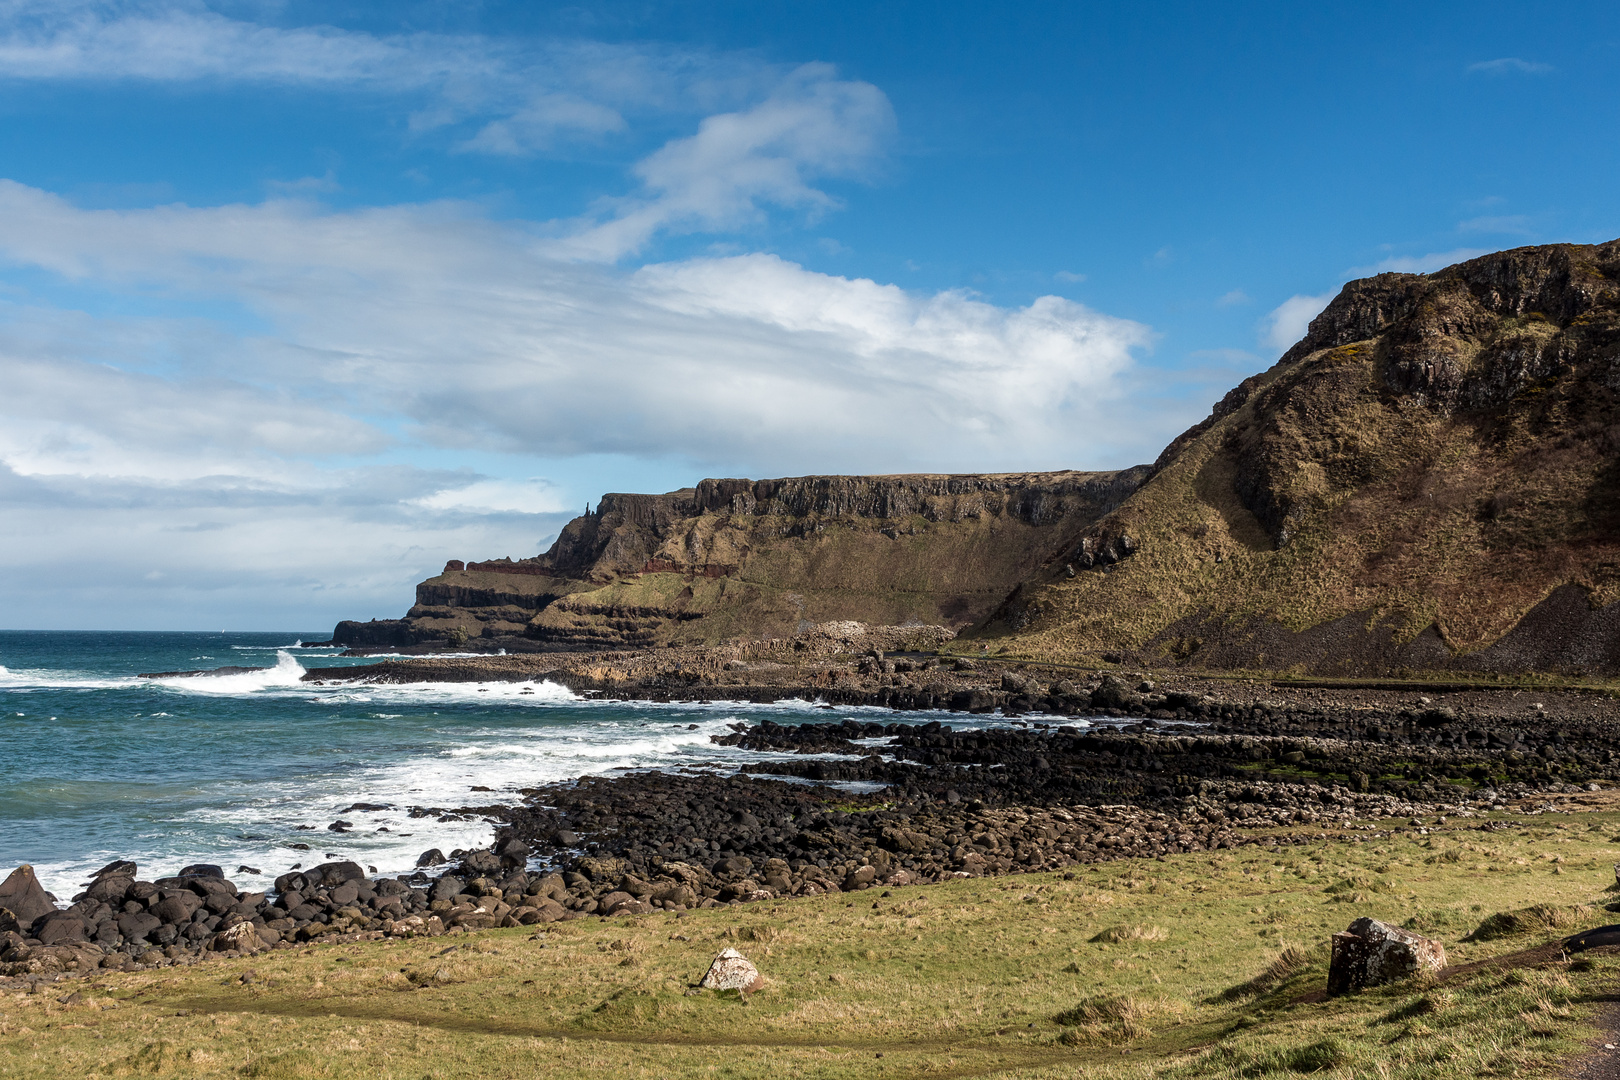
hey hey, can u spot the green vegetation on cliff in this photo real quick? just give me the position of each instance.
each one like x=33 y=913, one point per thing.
x=1433 y=461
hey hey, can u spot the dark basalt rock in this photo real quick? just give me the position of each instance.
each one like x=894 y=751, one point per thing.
x=23 y=895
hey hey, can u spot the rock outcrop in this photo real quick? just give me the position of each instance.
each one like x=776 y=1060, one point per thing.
x=1429 y=480
x=765 y=558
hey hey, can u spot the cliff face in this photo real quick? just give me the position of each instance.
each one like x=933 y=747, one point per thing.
x=747 y=558
x=1429 y=480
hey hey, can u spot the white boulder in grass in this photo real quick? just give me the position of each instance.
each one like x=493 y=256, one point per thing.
x=243 y=937
x=1372 y=953
x=732 y=971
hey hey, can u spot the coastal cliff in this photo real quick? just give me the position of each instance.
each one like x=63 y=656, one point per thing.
x=1429 y=480
x=762 y=558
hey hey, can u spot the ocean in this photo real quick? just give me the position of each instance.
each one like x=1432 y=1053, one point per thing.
x=100 y=764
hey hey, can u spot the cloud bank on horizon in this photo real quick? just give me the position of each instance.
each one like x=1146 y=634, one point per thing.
x=302 y=400
x=238 y=446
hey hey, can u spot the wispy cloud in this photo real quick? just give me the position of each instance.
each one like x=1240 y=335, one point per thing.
x=1233 y=299
x=520 y=96
x=467 y=328
x=813 y=125
x=1501 y=224
x=1418 y=264
x=1510 y=65
x=1287 y=322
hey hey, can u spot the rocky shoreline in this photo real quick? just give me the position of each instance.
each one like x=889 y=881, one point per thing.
x=1162 y=769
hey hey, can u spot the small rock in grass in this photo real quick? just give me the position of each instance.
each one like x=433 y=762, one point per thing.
x=1372 y=953
x=731 y=970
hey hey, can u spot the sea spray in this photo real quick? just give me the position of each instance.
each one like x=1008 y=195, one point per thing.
x=237 y=769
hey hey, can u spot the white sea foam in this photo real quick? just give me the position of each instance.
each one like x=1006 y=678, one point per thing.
x=287 y=672
x=26 y=679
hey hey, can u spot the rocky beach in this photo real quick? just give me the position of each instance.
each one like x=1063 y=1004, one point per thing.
x=1061 y=770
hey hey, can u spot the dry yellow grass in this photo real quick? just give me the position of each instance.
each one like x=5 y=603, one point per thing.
x=991 y=977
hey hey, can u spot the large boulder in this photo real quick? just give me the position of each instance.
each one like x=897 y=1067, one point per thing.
x=177 y=906
x=61 y=928
x=136 y=925
x=447 y=888
x=336 y=873
x=243 y=937
x=108 y=890
x=1372 y=953
x=1115 y=693
x=23 y=896
x=732 y=971
x=480 y=863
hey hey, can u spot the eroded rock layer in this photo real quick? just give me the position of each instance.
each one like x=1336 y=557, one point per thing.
x=765 y=558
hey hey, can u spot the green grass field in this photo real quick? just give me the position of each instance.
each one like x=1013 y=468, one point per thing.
x=1206 y=965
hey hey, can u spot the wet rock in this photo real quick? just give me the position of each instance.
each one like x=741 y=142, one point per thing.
x=135 y=926
x=479 y=863
x=1372 y=953
x=176 y=907
x=731 y=970
x=431 y=857
x=116 y=868
x=107 y=890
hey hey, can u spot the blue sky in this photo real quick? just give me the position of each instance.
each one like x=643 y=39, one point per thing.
x=299 y=300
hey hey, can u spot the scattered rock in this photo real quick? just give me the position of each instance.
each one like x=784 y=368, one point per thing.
x=1372 y=953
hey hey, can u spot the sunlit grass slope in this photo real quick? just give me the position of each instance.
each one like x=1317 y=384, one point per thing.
x=1195 y=966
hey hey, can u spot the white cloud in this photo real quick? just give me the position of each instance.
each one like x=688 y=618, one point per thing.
x=465 y=327
x=132 y=553
x=1288 y=321
x=172 y=43
x=1501 y=224
x=433 y=326
x=1420 y=264
x=1510 y=65
x=813 y=125
x=533 y=496
x=542 y=120
x=1068 y=277
x=1233 y=298
x=523 y=94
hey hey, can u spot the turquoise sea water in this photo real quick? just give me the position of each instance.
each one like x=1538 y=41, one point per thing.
x=100 y=764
